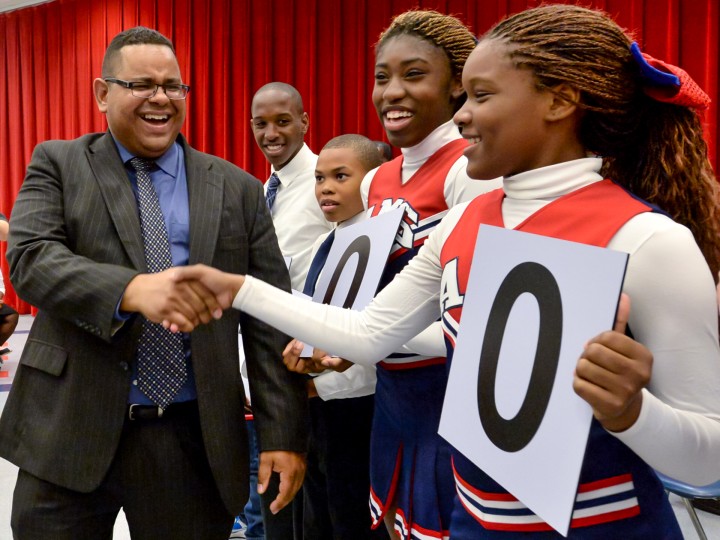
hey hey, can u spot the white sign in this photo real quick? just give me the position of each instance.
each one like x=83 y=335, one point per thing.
x=356 y=261
x=531 y=304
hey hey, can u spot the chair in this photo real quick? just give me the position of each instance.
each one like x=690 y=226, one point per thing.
x=688 y=493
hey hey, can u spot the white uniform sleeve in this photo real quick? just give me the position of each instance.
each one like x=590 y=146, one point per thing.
x=365 y=186
x=429 y=342
x=459 y=187
x=356 y=381
x=674 y=313
x=405 y=307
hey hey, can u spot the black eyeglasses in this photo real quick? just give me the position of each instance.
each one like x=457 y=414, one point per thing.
x=147 y=90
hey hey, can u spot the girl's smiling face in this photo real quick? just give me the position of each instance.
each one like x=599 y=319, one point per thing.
x=414 y=89
x=512 y=126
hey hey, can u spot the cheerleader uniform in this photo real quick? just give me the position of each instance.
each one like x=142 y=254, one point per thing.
x=612 y=489
x=409 y=461
x=674 y=314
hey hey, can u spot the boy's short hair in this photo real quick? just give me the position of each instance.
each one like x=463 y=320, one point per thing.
x=385 y=150
x=285 y=88
x=365 y=149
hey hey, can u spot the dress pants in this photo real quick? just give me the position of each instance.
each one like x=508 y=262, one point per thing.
x=160 y=477
x=252 y=513
x=337 y=483
x=286 y=524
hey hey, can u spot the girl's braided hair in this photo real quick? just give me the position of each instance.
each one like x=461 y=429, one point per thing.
x=654 y=149
x=443 y=31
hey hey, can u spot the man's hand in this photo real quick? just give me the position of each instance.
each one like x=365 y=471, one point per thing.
x=290 y=466
x=222 y=284
x=612 y=372
x=161 y=297
x=207 y=281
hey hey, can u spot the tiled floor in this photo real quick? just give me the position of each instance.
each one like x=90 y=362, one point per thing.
x=8 y=471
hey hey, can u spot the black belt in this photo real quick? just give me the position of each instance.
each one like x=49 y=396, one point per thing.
x=136 y=411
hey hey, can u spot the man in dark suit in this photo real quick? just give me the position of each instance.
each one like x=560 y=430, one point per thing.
x=94 y=421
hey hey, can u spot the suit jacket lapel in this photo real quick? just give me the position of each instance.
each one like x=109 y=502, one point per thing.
x=205 y=193
x=119 y=198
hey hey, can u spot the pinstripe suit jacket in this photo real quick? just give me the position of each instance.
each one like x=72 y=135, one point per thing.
x=75 y=244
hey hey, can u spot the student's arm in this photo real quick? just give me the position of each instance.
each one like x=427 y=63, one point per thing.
x=401 y=310
x=405 y=307
x=357 y=381
x=429 y=342
x=678 y=428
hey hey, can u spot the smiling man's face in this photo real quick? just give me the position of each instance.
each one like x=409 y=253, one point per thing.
x=279 y=126
x=146 y=127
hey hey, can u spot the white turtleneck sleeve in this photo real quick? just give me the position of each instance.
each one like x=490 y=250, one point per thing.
x=674 y=313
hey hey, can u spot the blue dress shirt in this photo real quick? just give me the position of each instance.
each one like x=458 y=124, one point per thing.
x=170 y=182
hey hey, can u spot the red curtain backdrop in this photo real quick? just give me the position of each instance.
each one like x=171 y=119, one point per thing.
x=50 y=53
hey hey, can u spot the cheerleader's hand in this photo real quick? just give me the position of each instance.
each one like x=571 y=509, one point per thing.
x=611 y=373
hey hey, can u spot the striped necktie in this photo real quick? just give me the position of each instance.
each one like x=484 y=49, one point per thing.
x=317 y=264
x=272 y=186
x=161 y=357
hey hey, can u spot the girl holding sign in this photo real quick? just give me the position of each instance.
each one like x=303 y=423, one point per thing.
x=550 y=89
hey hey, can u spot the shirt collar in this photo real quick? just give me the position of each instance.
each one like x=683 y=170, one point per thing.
x=357 y=218
x=303 y=161
x=439 y=137
x=169 y=162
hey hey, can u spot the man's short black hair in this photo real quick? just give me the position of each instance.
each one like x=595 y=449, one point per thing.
x=138 y=35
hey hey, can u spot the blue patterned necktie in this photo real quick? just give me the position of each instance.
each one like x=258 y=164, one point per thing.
x=272 y=186
x=161 y=357
x=317 y=264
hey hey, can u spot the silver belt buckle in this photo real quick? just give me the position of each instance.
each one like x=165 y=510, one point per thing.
x=130 y=411
x=132 y=416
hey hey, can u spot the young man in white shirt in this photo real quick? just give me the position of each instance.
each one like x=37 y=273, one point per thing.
x=335 y=491
x=279 y=124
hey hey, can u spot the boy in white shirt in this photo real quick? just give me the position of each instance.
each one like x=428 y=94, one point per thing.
x=341 y=404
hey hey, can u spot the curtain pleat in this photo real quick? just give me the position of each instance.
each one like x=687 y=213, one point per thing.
x=227 y=49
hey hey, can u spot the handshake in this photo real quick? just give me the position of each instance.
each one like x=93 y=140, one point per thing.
x=182 y=297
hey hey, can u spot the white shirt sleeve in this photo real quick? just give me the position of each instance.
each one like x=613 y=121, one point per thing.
x=674 y=313
x=356 y=381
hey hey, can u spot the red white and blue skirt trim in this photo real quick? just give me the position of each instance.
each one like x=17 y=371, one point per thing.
x=597 y=502
x=410 y=468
